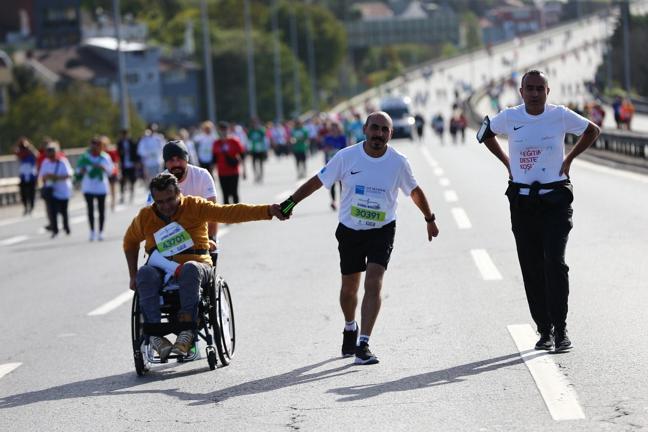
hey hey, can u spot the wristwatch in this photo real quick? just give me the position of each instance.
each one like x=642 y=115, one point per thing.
x=430 y=219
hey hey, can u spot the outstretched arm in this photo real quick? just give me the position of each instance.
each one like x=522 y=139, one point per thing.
x=494 y=146
x=301 y=193
x=422 y=203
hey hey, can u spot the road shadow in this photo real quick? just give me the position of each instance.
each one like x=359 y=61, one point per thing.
x=125 y=384
x=431 y=379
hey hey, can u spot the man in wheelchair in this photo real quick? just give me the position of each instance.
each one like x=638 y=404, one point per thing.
x=174 y=229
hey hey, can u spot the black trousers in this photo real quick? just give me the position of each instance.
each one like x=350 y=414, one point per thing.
x=28 y=194
x=229 y=186
x=101 y=206
x=55 y=207
x=541 y=227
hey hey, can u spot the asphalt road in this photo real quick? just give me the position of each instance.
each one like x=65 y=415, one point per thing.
x=450 y=337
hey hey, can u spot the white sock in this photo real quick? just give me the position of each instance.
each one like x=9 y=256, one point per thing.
x=350 y=325
x=363 y=338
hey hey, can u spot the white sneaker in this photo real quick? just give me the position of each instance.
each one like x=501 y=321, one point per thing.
x=100 y=237
x=93 y=236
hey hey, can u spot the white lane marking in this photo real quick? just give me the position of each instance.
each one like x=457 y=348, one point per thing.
x=221 y=232
x=444 y=181
x=112 y=304
x=119 y=208
x=485 y=265
x=13 y=240
x=7 y=368
x=450 y=196
x=428 y=157
x=438 y=171
x=559 y=395
x=78 y=219
x=616 y=172
x=283 y=195
x=461 y=218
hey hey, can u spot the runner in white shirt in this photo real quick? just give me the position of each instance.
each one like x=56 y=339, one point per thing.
x=149 y=149
x=540 y=196
x=205 y=146
x=371 y=173
x=192 y=180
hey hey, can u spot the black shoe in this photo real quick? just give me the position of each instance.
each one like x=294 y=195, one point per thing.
x=349 y=340
x=546 y=341
x=562 y=342
x=364 y=356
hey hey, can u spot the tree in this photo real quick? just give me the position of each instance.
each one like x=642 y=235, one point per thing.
x=71 y=116
x=230 y=72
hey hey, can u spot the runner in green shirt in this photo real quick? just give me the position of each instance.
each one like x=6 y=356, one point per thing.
x=300 y=144
x=258 y=148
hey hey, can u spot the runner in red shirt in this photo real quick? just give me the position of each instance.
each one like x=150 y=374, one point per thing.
x=228 y=155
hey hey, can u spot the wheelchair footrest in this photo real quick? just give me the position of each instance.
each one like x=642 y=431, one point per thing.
x=162 y=329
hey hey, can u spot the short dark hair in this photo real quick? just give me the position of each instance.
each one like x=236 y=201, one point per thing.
x=223 y=125
x=534 y=72
x=163 y=181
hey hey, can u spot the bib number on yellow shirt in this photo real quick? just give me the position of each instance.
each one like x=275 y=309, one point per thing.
x=172 y=239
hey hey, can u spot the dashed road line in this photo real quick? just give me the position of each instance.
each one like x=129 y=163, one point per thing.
x=112 y=304
x=428 y=157
x=7 y=368
x=438 y=171
x=461 y=218
x=450 y=196
x=444 y=181
x=485 y=265
x=13 y=240
x=558 y=394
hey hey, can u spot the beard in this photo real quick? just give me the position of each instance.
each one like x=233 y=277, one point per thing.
x=377 y=143
x=178 y=172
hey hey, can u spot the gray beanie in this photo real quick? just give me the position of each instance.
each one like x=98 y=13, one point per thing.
x=175 y=148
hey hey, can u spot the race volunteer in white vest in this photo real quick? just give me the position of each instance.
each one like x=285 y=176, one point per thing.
x=540 y=195
x=371 y=173
x=192 y=180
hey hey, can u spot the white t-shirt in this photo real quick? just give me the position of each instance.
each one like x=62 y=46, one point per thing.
x=93 y=185
x=537 y=142
x=62 y=188
x=197 y=182
x=369 y=185
x=150 y=150
x=205 y=146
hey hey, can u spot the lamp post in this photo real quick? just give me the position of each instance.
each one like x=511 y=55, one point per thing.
x=209 y=75
x=121 y=68
x=279 y=114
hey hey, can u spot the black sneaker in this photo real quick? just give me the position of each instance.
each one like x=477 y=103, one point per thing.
x=546 y=341
x=562 y=342
x=364 y=356
x=349 y=340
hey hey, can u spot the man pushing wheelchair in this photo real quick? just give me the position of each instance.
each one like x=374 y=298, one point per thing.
x=175 y=232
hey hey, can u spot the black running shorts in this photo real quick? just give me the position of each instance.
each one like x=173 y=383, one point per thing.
x=359 y=247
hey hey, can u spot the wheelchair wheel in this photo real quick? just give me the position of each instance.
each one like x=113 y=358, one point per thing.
x=221 y=315
x=211 y=359
x=137 y=336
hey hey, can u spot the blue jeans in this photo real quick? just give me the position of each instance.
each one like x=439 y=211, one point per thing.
x=149 y=281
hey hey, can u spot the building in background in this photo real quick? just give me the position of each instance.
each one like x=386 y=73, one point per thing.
x=397 y=22
x=45 y=23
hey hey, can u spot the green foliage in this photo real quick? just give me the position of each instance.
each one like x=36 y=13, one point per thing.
x=230 y=75
x=71 y=116
x=638 y=60
x=470 y=23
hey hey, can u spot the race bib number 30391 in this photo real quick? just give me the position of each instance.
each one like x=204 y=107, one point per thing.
x=172 y=239
x=367 y=214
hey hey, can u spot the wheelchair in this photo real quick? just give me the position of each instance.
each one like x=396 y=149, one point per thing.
x=215 y=325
